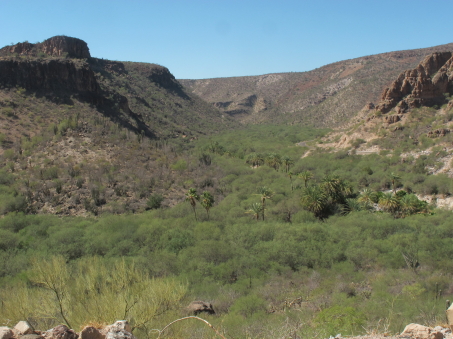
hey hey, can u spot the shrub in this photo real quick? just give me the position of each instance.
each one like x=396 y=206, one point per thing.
x=154 y=201
x=101 y=293
x=8 y=111
x=50 y=173
x=248 y=305
x=340 y=319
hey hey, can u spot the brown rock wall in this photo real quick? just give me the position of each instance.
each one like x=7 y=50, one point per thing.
x=62 y=45
x=53 y=74
x=57 y=46
x=424 y=85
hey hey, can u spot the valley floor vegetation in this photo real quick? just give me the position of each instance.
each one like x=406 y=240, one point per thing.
x=281 y=245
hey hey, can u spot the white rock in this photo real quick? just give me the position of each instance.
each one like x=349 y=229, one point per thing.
x=23 y=327
x=416 y=331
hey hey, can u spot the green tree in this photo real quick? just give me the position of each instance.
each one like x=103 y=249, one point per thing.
x=315 y=200
x=192 y=197
x=274 y=160
x=366 y=199
x=395 y=179
x=290 y=175
x=265 y=193
x=410 y=204
x=305 y=176
x=53 y=275
x=207 y=201
x=333 y=187
x=287 y=162
x=351 y=205
x=256 y=209
x=389 y=203
x=255 y=159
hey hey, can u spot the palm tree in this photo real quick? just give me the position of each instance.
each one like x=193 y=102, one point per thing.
x=274 y=160
x=255 y=159
x=389 y=203
x=287 y=162
x=351 y=205
x=366 y=198
x=410 y=204
x=305 y=176
x=314 y=199
x=192 y=197
x=290 y=175
x=334 y=187
x=207 y=201
x=265 y=193
x=256 y=208
x=395 y=178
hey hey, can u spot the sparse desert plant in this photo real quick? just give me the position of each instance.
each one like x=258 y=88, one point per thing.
x=154 y=201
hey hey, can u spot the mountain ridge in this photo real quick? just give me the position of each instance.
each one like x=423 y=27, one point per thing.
x=323 y=97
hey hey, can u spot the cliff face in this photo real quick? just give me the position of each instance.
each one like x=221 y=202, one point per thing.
x=59 y=46
x=51 y=74
x=424 y=85
x=145 y=98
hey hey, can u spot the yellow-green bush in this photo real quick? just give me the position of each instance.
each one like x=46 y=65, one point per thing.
x=89 y=291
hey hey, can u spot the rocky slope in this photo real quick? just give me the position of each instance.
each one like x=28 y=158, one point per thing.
x=426 y=85
x=101 y=127
x=414 y=119
x=141 y=97
x=325 y=96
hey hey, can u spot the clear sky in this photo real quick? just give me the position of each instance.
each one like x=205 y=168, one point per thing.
x=199 y=39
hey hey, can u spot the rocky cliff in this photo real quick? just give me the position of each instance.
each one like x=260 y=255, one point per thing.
x=145 y=98
x=50 y=75
x=425 y=85
x=58 y=46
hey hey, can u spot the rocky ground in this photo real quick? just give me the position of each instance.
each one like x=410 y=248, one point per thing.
x=122 y=330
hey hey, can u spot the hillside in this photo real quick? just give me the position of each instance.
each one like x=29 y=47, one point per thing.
x=324 y=97
x=143 y=98
x=413 y=115
x=83 y=134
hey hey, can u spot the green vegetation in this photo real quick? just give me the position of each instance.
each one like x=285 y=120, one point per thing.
x=282 y=245
x=335 y=241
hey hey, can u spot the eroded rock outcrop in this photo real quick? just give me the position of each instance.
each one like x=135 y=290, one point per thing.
x=425 y=85
x=440 y=132
x=391 y=119
x=66 y=46
x=58 y=46
x=416 y=331
x=48 y=74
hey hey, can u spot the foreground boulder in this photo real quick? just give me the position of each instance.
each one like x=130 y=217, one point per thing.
x=60 y=332
x=416 y=331
x=22 y=328
x=119 y=330
x=90 y=332
x=197 y=307
x=6 y=333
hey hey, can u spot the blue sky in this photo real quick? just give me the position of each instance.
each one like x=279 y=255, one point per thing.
x=204 y=39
